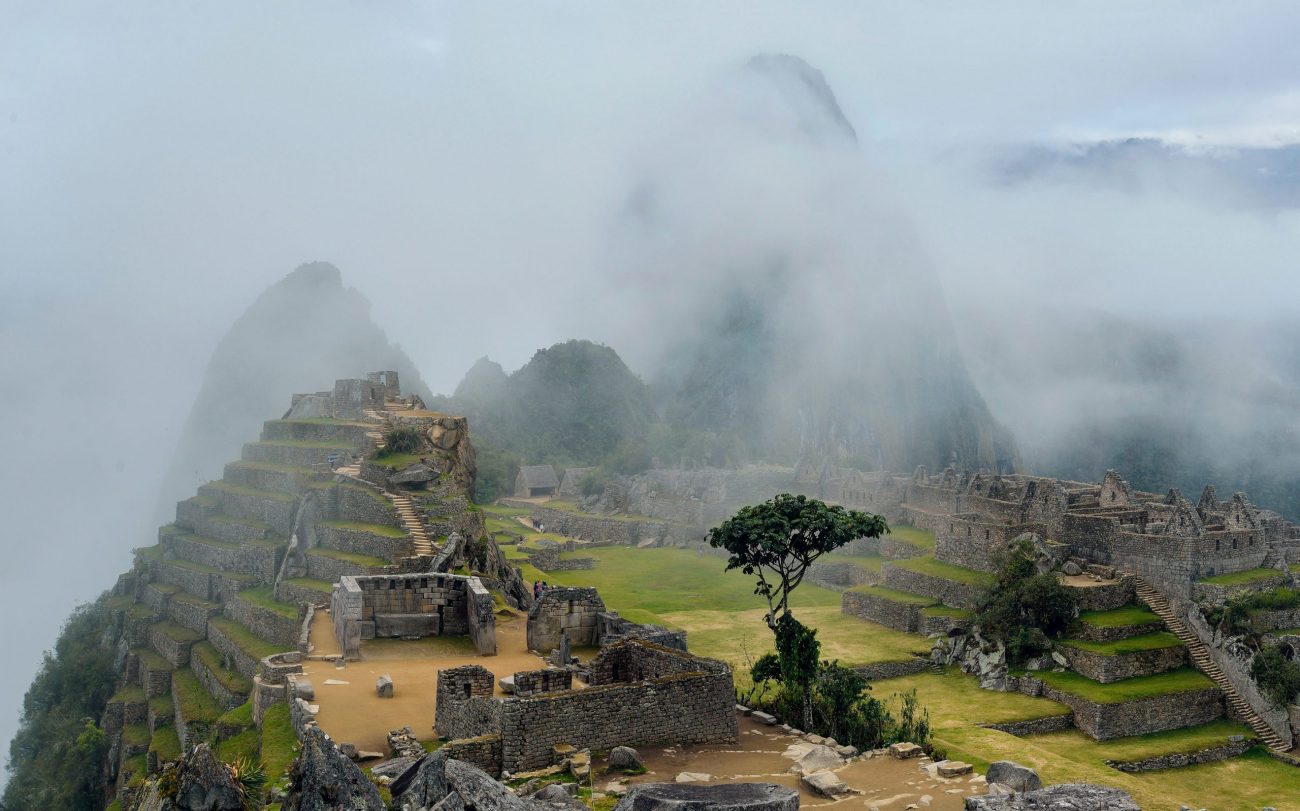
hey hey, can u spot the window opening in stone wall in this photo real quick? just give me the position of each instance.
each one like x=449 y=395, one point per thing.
x=1216 y=544
x=1234 y=543
x=469 y=690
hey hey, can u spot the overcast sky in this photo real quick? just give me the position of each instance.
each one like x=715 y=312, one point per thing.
x=162 y=163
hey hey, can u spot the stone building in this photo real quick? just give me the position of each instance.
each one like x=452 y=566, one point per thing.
x=535 y=481
x=412 y=605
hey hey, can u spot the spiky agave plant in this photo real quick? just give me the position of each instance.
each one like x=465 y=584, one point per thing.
x=250 y=775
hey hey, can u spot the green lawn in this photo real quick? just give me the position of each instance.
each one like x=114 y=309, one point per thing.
x=150 y=660
x=309 y=583
x=177 y=632
x=1120 y=617
x=241 y=716
x=1242 y=578
x=161 y=706
x=244 y=745
x=937 y=568
x=871 y=563
x=894 y=595
x=369 y=561
x=373 y=529
x=196 y=704
x=262 y=597
x=128 y=694
x=247 y=641
x=916 y=537
x=396 y=461
x=165 y=744
x=279 y=745
x=1175 y=681
x=503 y=510
x=1155 y=641
x=137 y=734
x=252 y=492
x=212 y=659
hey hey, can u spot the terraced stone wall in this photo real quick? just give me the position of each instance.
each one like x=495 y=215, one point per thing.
x=1216 y=594
x=1178 y=760
x=360 y=542
x=628 y=532
x=892 y=548
x=1103 y=722
x=1106 y=669
x=1105 y=596
x=949 y=592
x=693 y=704
x=899 y=616
x=841 y=576
x=465 y=706
x=274 y=627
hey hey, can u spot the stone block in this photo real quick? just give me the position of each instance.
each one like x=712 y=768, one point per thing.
x=384 y=686
x=904 y=750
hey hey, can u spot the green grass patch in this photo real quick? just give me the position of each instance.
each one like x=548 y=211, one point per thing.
x=129 y=694
x=946 y=611
x=870 y=563
x=1119 y=617
x=1242 y=578
x=396 y=461
x=1156 y=641
x=279 y=746
x=1175 y=681
x=198 y=602
x=1157 y=744
x=150 y=660
x=320 y=444
x=372 y=529
x=895 y=596
x=150 y=553
x=318 y=421
x=911 y=535
x=263 y=597
x=241 y=716
x=136 y=734
x=213 y=660
x=309 y=583
x=161 y=706
x=369 y=561
x=196 y=704
x=503 y=510
x=140 y=611
x=937 y=568
x=203 y=568
x=370 y=493
x=246 y=745
x=572 y=508
x=121 y=602
x=177 y=632
x=248 y=642
x=165 y=744
x=250 y=523
x=135 y=769
x=251 y=492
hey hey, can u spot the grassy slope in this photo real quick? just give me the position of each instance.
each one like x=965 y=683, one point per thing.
x=1242 y=578
x=1155 y=641
x=1174 y=681
x=947 y=571
x=1128 y=615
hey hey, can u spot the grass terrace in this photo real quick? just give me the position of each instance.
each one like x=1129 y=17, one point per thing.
x=503 y=510
x=165 y=744
x=916 y=537
x=309 y=583
x=251 y=492
x=128 y=694
x=186 y=597
x=946 y=611
x=373 y=529
x=247 y=641
x=396 y=461
x=279 y=745
x=1156 y=641
x=572 y=507
x=895 y=596
x=871 y=563
x=1120 y=617
x=355 y=558
x=1175 y=681
x=150 y=660
x=262 y=597
x=136 y=734
x=196 y=704
x=213 y=660
x=320 y=444
x=937 y=568
x=318 y=421
x=140 y=611
x=270 y=467
x=161 y=706
x=245 y=745
x=241 y=716
x=1242 y=578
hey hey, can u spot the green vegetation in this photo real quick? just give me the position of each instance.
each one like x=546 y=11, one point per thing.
x=150 y=660
x=161 y=706
x=279 y=745
x=368 y=561
x=246 y=640
x=1235 y=616
x=136 y=734
x=320 y=444
x=397 y=461
x=1277 y=676
x=196 y=704
x=945 y=611
x=241 y=716
x=400 y=440
x=213 y=661
x=870 y=563
x=1119 y=617
x=263 y=597
x=1023 y=608
x=309 y=583
x=911 y=535
x=1156 y=641
x=937 y=568
x=130 y=693
x=244 y=745
x=1243 y=578
x=373 y=529
x=165 y=744
x=1175 y=681
x=177 y=632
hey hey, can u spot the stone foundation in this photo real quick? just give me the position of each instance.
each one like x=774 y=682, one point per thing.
x=899 y=616
x=1120 y=666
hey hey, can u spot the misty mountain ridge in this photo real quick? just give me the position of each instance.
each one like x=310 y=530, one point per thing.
x=302 y=330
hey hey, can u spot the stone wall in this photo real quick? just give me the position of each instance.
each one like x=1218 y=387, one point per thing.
x=949 y=592
x=245 y=664
x=1038 y=726
x=483 y=751
x=546 y=680
x=192 y=612
x=428 y=604
x=892 y=548
x=330 y=569
x=893 y=670
x=362 y=504
x=620 y=531
x=695 y=706
x=899 y=616
x=1218 y=595
x=1105 y=596
x=1106 y=669
x=272 y=626
x=1177 y=760
x=972 y=543
x=1103 y=722
x=360 y=542
x=465 y=706
x=573 y=611
x=838 y=576
x=226 y=698
x=1114 y=633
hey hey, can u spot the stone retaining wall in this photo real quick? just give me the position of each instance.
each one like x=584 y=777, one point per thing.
x=1105 y=596
x=329 y=569
x=942 y=624
x=272 y=508
x=243 y=663
x=483 y=751
x=682 y=708
x=270 y=625
x=294 y=455
x=949 y=592
x=428 y=604
x=1268 y=620
x=1038 y=726
x=893 y=670
x=1107 y=669
x=175 y=651
x=624 y=532
x=154 y=680
x=1223 y=751
x=899 y=616
x=838 y=576
x=226 y=698
x=259 y=560
x=360 y=542
x=1218 y=595
x=287 y=592
x=1114 y=633
x=360 y=504
x=1103 y=722
x=892 y=548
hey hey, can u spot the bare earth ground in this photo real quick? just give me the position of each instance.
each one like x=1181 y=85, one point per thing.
x=352 y=713
x=884 y=782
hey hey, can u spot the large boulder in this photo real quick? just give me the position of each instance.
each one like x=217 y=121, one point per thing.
x=826 y=783
x=422 y=785
x=1013 y=776
x=479 y=791
x=815 y=759
x=625 y=758
x=1066 y=797
x=725 y=797
x=325 y=780
x=205 y=784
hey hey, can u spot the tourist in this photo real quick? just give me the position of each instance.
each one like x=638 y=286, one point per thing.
x=537 y=590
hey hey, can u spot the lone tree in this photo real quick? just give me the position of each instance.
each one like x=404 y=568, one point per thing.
x=778 y=541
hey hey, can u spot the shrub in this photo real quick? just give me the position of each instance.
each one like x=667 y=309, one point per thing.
x=593 y=484
x=401 y=439
x=1277 y=676
x=1023 y=608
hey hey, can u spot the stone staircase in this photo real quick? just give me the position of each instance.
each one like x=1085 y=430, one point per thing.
x=421 y=543
x=1202 y=661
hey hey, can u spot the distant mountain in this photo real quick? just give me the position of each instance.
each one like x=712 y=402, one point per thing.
x=304 y=329
x=574 y=402
x=801 y=316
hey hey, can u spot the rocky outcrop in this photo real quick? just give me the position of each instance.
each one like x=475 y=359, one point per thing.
x=1014 y=776
x=1065 y=797
x=442 y=783
x=205 y=784
x=986 y=659
x=727 y=797
x=326 y=780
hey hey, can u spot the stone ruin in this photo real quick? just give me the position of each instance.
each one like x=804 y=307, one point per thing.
x=638 y=693
x=579 y=616
x=412 y=605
